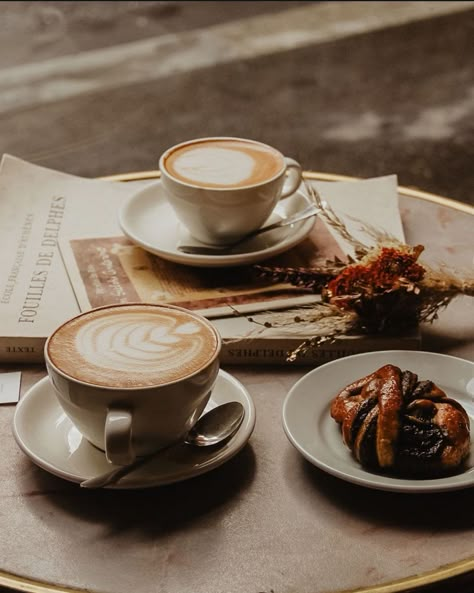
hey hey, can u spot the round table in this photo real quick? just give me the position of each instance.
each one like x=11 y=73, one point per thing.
x=266 y=521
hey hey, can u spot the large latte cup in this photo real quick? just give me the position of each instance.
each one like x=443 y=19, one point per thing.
x=223 y=188
x=133 y=378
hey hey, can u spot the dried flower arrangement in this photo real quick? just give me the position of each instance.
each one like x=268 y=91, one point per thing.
x=383 y=289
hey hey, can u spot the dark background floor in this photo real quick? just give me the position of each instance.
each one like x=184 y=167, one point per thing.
x=364 y=96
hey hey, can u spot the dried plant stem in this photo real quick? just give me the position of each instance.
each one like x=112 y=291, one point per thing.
x=335 y=222
x=386 y=289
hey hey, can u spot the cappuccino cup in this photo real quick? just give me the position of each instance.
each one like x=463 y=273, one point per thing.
x=133 y=378
x=222 y=189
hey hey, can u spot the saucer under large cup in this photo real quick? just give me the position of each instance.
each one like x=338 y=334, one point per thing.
x=149 y=221
x=47 y=436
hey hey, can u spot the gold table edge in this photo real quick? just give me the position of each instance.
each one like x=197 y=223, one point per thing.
x=438 y=575
x=318 y=176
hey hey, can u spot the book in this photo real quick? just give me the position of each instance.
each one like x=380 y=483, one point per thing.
x=274 y=349
x=37 y=207
x=62 y=251
x=105 y=270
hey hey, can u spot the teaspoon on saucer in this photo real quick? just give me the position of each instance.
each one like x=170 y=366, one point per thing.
x=218 y=425
x=224 y=249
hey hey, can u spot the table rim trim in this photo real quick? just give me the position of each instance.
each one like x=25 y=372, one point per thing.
x=319 y=176
x=438 y=575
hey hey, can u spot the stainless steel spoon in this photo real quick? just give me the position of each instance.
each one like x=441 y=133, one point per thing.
x=224 y=249
x=213 y=428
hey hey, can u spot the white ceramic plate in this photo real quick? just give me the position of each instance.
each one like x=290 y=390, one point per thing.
x=47 y=436
x=310 y=428
x=148 y=220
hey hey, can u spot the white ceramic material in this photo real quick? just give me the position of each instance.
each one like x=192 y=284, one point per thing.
x=47 y=436
x=220 y=215
x=148 y=220
x=310 y=428
x=133 y=421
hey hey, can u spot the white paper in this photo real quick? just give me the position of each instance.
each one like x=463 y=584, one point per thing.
x=94 y=262
x=372 y=202
x=10 y=387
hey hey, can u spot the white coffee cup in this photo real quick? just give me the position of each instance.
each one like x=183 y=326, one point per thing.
x=133 y=378
x=223 y=188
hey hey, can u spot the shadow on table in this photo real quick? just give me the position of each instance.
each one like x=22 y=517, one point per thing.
x=435 y=340
x=152 y=511
x=443 y=510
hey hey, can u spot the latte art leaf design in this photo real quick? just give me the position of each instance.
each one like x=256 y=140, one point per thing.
x=132 y=342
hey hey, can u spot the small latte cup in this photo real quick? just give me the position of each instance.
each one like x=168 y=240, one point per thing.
x=223 y=188
x=133 y=378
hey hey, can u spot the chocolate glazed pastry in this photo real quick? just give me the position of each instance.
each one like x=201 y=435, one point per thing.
x=393 y=422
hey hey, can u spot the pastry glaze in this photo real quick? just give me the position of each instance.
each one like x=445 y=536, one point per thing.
x=392 y=421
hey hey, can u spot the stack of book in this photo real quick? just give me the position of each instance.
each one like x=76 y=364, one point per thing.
x=62 y=251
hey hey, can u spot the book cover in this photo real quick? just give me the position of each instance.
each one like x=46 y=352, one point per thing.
x=62 y=252
x=37 y=207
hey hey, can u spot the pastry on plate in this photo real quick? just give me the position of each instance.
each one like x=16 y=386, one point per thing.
x=394 y=422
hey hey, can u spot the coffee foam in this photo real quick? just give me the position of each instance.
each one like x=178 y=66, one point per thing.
x=132 y=346
x=224 y=163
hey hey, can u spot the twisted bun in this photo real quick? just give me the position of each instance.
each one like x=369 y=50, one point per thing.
x=391 y=421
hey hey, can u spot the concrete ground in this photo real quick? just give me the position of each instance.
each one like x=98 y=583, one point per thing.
x=357 y=88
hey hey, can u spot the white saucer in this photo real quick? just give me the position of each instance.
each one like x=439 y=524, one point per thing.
x=148 y=220
x=310 y=428
x=47 y=436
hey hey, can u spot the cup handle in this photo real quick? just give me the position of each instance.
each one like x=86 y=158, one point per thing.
x=294 y=178
x=118 y=437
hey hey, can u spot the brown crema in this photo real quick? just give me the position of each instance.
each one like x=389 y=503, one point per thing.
x=267 y=162
x=127 y=346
